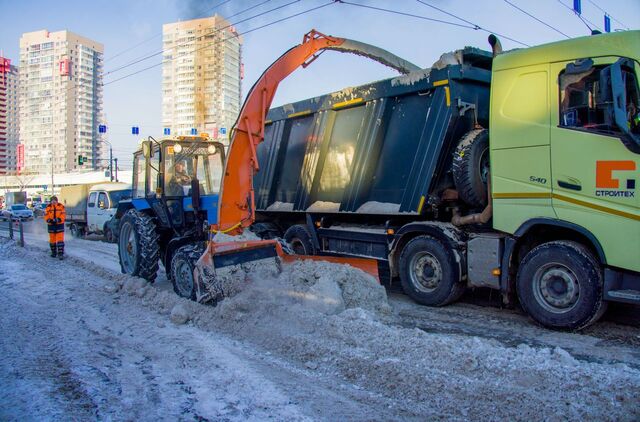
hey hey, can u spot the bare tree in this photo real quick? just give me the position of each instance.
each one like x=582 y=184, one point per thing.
x=24 y=178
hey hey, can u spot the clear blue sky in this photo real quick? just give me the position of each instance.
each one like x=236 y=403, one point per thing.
x=136 y=100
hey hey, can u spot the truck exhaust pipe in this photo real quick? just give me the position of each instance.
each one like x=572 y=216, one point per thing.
x=496 y=46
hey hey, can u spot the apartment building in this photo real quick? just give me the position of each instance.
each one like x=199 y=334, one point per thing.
x=201 y=76
x=9 y=128
x=60 y=101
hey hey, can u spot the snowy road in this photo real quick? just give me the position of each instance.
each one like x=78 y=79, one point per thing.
x=80 y=341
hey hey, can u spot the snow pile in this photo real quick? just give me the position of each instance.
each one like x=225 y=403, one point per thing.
x=335 y=321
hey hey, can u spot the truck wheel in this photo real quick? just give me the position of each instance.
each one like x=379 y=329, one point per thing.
x=471 y=167
x=560 y=285
x=429 y=273
x=108 y=235
x=138 y=246
x=182 y=265
x=299 y=238
x=76 y=230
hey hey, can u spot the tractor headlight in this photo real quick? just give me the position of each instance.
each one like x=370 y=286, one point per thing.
x=211 y=149
x=177 y=148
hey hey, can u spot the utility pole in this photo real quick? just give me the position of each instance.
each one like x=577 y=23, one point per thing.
x=111 y=163
x=116 y=160
x=51 y=154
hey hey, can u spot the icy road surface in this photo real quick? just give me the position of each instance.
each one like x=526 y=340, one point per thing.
x=81 y=341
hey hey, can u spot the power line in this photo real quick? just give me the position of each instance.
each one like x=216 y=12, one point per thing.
x=533 y=17
x=214 y=31
x=228 y=38
x=608 y=14
x=160 y=34
x=476 y=26
x=584 y=20
x=408 y=14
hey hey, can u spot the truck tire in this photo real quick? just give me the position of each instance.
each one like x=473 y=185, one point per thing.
x=138 y=245
x=299 y=238
x=471 y=167
x=109 y=236
x=182 y=265
x=76 y=230
x=560 y=285
x=429 y=273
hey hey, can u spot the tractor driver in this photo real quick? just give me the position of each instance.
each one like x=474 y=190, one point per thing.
x=179 y=180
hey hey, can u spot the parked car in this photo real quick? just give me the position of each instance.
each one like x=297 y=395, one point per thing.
x=17 y=212
x=38 y=209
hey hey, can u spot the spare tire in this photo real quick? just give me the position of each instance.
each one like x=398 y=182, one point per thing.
x=471 y=167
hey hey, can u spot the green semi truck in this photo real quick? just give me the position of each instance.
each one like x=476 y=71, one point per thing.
x=516 y=171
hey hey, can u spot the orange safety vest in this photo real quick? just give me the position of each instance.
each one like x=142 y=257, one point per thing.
x=55 y=215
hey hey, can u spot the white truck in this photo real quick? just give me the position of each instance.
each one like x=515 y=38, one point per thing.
x=90 y=208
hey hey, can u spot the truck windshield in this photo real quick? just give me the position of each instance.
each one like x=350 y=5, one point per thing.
x=183 y=162
x=119 y=195
x=18 y=207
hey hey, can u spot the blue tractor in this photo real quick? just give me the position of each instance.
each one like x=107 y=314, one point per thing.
x=175 y=190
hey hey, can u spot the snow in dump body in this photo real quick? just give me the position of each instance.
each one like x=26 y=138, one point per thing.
x=375 y=207
x=280 y=206
x=324 y=206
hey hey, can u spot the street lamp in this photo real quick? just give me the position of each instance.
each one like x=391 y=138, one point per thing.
x=110 y=158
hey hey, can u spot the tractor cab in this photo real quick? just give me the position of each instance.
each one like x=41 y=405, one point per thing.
x=172 y=175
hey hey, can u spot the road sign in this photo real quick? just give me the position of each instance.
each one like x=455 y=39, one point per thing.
x=607 y=23
x=102 y=129
x=223 y=131
x=194 y=131
x=135 y=130
x=167 y=131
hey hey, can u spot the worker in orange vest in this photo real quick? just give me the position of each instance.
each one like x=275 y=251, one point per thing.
x=55 y=215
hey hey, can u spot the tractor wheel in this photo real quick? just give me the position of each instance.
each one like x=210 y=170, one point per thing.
x=471 y=167
x=138 y=245
x=299 y=238
x=560 y=285
x=429 y=273
x=183 y=264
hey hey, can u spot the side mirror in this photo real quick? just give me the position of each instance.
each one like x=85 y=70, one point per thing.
x=618 y=97
x=146 y=149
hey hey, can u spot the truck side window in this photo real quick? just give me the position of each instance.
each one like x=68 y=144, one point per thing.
x=579 y=107
x=102 y=201
x=578 y=101
x=92 y=199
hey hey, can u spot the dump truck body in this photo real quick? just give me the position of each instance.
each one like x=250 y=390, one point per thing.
x=377 y=149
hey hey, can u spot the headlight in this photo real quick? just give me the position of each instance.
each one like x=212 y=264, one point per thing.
x=177 y=148
x=211 y=149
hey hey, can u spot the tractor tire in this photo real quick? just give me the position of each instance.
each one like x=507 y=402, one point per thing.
x=560 y=285
x=429 y=273
x=183 y=264
x=299 y=239
x=471 y=167
x=138 y=246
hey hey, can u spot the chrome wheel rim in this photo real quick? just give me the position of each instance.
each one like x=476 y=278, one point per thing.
x=556 y=288
x=425 y=272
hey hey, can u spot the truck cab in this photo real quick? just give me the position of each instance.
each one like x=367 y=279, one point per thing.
x=102 y=204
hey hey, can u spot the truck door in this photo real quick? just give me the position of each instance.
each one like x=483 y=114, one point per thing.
x=594 y=174
x=102 y=212
x=91 y=210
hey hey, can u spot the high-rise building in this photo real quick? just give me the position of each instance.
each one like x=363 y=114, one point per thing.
x=9 y=128
x=60 y=101
x=201 y=76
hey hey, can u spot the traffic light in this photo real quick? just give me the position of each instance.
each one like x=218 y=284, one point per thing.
x=80 y=160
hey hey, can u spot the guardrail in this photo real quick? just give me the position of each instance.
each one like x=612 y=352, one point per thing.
x=7 y=229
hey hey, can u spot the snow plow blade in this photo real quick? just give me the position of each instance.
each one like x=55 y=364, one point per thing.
x=219 y=255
